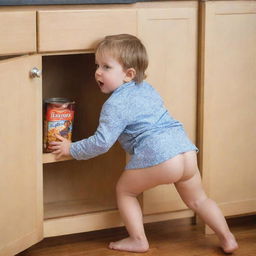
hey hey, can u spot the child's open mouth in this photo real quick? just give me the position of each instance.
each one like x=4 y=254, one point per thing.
x=100 y=83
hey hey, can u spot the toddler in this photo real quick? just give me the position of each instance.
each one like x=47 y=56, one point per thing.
x=161 y=152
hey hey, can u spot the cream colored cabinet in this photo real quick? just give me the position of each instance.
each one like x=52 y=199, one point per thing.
x=17 y=32
x=228 y=104
x=21 y=194
x=39 y=196
x=170 y=36
x=78 y=196
x=48 y=197
x=85 y=199
x=73 y=30
x=41 y=199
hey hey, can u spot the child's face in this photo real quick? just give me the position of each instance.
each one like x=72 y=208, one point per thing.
x=109 y=73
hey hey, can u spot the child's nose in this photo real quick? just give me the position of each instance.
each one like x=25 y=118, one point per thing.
x=98 y=71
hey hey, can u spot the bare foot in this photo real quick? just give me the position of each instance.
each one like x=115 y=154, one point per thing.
x=229 y=244
x=130 y=244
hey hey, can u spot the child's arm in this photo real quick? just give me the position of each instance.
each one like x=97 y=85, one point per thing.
x=111 y=124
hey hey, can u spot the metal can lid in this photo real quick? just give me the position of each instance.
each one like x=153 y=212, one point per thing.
x=59 y=101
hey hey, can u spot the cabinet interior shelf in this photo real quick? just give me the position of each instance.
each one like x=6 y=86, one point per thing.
x=50 y=158
x=75 y=207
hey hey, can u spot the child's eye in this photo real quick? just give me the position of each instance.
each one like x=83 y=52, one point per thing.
x=106 y=67
x=96 y=65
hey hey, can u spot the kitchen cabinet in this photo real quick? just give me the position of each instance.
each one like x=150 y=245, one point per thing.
x=206 y=78
x=227 y=104
x=62 y=197
x=49 y=197
x=17 y=32
x=43 y=199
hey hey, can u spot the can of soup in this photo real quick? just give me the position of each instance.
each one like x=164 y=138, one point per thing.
x=58 y=119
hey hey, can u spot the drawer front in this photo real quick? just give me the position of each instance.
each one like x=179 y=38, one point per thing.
x=80 y=30
x=17 y=32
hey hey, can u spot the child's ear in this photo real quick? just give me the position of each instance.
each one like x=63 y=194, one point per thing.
x=130 y=74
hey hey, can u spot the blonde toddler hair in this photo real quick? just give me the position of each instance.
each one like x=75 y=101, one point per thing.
x=128 y=51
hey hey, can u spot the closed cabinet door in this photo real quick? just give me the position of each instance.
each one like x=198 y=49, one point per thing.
x=170 y=36
x=228 y=92
x=21 y=203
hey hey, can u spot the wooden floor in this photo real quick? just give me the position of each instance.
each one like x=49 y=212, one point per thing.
x=176 y=237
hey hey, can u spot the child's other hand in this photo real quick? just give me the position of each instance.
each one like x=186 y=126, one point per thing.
x=60 y=148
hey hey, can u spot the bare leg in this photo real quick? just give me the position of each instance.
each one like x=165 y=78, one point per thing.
x=192 y=193
x=131 y=214
x=130 y=185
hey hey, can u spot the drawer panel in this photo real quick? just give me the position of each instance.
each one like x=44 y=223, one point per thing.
x=80 y=30
x=17 y=32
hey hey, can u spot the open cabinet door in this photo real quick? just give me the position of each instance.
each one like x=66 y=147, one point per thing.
x=21 y=204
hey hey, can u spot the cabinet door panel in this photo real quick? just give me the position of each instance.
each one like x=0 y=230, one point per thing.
x=21 y=155
x=17 y=32
x=229 y=120
x=169 y=35
x=79 y=30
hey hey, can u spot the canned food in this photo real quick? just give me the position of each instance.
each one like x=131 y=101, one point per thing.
x=58 y=119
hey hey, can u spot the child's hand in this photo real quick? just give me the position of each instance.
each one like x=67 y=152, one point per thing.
x=60 y=148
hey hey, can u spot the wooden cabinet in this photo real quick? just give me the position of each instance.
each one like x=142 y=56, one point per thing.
x=89 y=195
x=71 y=30
x=49 y=198
x=17 y=32
x=21 y=193
x=63 y=197
x=170 y=36
x=228 y=103
x=78 y=196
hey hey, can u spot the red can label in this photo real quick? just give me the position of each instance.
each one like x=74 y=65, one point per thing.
x=59 y=116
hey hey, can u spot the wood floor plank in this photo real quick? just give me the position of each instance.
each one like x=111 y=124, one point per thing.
x=176 y=237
